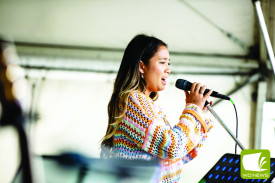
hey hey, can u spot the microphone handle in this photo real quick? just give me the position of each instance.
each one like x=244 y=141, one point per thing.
x=188 y=87
x=213 y=94
x=216 y=94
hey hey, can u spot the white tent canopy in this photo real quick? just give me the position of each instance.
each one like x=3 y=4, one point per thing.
x=187 y=26
x=214 y=33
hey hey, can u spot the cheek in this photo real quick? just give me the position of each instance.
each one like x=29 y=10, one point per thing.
x=156 y=69
x=154 y=72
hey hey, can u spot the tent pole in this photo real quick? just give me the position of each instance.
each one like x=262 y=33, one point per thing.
x=262 y=24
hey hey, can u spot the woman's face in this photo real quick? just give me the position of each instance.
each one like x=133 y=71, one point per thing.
x=156 y=72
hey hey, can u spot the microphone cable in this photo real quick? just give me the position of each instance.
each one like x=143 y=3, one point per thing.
x=237 y=124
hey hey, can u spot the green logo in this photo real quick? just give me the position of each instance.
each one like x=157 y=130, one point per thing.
x=255 y=164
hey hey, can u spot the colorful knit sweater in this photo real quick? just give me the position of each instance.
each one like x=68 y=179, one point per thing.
x=145 y=133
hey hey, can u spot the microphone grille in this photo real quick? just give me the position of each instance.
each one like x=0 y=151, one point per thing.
x=183 y=84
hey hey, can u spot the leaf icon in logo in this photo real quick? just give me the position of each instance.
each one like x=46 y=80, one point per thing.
x=261 y=163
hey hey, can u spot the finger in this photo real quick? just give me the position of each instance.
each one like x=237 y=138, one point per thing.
x=193 y=87
x=197 y=88
x=202 y=89
x=186 y=93
x=211 y=103
x=208 y=93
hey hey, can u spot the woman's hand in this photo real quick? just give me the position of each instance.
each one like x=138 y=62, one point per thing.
x=196 y=95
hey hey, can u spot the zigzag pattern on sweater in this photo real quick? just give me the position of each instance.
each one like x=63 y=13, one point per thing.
x=145 y=133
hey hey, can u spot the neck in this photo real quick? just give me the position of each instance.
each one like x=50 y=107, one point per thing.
x=147 y=92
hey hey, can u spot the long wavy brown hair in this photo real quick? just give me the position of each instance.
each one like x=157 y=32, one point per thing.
x=129 y=79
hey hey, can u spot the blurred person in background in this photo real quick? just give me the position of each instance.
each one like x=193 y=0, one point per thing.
x=137 y=128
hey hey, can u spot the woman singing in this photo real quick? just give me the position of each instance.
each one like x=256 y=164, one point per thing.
x=138 y=129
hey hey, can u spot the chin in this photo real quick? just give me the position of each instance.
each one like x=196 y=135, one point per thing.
x=160 y=89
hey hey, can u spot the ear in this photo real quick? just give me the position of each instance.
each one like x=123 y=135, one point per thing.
x=141 y=67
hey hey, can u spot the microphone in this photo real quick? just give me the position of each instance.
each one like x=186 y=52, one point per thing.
x=186 y=85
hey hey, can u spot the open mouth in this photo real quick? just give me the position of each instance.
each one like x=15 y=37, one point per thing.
x=164 y=81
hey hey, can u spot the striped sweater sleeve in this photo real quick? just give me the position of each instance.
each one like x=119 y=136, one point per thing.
x=149 y=131
x=193 y=153
x=209 y=123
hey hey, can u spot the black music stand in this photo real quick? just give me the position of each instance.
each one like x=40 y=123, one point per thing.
x=227 y=169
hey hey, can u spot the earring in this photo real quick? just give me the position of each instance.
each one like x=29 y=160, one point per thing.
x=142 y=76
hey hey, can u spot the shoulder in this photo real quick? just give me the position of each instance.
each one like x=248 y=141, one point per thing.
x=140 y=97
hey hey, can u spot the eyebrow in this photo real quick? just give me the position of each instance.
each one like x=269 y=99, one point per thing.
x=164 y=58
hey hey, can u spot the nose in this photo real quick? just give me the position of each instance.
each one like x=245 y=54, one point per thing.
x=168 y=69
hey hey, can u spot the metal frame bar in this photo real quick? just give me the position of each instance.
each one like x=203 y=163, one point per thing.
x=264 y=31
